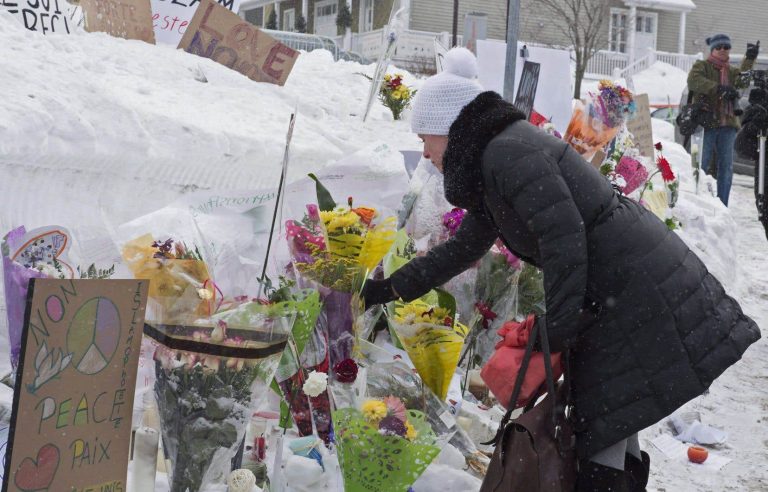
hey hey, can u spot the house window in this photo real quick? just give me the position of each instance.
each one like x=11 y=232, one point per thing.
x=618 y=31
x=255 y=16
x=289 y=20
x=645 y=31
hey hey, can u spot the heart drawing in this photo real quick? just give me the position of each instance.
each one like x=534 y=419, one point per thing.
x=35 y=475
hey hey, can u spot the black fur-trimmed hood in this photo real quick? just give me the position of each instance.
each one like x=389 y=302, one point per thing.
x=478 y=123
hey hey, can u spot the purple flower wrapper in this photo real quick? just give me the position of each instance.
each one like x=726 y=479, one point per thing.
x=16 y=283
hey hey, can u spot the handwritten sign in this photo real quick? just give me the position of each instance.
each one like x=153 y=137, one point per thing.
x=172 y=17
x=44 y=16
x=73 y=400
x=526 y=91
x=127 y=19
x=641 y=126
x=222 y=36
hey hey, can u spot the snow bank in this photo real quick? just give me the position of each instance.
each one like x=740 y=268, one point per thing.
x=664 y=83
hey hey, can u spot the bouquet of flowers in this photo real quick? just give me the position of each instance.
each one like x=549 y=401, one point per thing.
x=334 y=248
x=388 y=426
x=395 y=95
x=39 y=253
x=432 y=337
x=208 y=380
x=593 y=126
x=181 y=288
x=304 y=352
x=671 y=183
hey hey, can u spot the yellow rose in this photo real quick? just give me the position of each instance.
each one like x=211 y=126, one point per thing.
x=374 y=411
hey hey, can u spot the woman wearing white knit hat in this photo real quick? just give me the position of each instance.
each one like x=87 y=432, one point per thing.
x=643 y=336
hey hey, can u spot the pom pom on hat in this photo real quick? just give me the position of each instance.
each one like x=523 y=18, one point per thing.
x=441 y=98
x=461 y=62
x=718 y=40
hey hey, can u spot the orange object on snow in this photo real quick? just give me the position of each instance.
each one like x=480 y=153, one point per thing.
x=697 y=454
x=500 y=372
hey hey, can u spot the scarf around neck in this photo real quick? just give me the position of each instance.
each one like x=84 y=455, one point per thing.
x=478 y=123
x=725 y=68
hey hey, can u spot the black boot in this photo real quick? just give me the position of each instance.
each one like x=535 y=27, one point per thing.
x=594 y=477
x=637 y=471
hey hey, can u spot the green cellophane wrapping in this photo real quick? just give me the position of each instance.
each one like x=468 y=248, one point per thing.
x=372 y=462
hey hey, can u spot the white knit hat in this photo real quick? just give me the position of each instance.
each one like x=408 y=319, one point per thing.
x=442 y=97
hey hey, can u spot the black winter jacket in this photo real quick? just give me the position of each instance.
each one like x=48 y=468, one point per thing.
x=664 y=328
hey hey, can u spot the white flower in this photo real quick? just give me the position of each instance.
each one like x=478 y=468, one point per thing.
x=241 y=480
x=48 y=270
x=204 y=294
x=315 y=384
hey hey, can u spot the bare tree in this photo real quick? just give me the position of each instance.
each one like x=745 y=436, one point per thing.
x=582 y=22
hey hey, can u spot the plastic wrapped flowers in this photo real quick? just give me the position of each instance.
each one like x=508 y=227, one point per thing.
x=593 y=126
x=333 y=249
x=207 y=381
x=388 y=426
x=433 y=339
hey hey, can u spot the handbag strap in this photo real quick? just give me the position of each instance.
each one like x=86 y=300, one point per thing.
x=539 y=331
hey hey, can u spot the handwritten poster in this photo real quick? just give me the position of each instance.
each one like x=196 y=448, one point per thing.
x=222 y=36
x=43 y=16
x=171 y=18
x=127 y=19
x=71 y=422
x=641 y=126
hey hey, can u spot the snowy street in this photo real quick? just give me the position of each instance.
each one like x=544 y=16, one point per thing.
x=738 y=401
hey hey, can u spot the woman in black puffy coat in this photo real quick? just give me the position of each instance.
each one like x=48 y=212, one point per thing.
x=647 y=326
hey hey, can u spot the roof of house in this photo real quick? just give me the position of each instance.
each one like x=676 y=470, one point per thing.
x=671 y=5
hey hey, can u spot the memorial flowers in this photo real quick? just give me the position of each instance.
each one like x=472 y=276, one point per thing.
x=333 y=248
x=595 y=124
x=395 y=95
x=208 y=379
x=388 y=426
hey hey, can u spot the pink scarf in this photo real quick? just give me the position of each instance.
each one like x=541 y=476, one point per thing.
x=724 y=68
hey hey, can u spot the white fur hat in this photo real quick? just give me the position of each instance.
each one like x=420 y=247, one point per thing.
x=442 y=97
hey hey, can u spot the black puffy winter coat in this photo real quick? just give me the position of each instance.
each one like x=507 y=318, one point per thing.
x=663 y=328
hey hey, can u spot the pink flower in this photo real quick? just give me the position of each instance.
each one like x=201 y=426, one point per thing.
x=452 y=220
x=633 y=172
x=313 y=212
x=395 y=408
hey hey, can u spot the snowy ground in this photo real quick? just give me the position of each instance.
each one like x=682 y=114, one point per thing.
x=90 y=121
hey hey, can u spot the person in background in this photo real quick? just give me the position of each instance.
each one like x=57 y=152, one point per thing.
x=753 y=123
x=715 y=82
x=647 y=327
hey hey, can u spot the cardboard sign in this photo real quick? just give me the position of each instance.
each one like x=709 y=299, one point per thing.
x=72 y=405
x=44 y=16
x=222 y=36
x=127 y=19
x=641 y=126
x=526 y=91
x=172 y=17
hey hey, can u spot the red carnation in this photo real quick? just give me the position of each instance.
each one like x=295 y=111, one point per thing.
x=486 y=312
x=666 y=170
x=345 y=371
x=658 y=146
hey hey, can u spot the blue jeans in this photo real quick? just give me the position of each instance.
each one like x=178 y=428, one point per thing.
x=718 y=146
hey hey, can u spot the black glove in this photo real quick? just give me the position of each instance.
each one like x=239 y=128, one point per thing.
x=727 y=92
x=752 y=51
x=378 y=292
